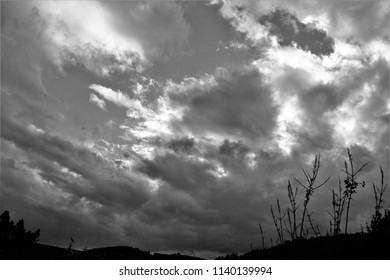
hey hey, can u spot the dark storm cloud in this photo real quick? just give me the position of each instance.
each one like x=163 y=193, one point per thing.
x=361 y=21
x=321 y=99
x=202 y=207
x=318 y=137
x=58 y=225
x=99 y=182
x=41 y=111
x=27 y=63
x=184 y=145
x=50 y=146
x=289 y=29
x=239 y=104
x=375 y=110
x=234 y=149
x=24 y=63
x=318 y=131
x=22 y=54
x=192 y=207
x=172 y=170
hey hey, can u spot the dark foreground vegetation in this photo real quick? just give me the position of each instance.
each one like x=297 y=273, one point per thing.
x=357 y=246
x=297 y=235
x=293 y=229
x=17 y=244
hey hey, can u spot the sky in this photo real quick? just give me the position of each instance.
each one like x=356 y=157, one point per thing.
x=174 y=126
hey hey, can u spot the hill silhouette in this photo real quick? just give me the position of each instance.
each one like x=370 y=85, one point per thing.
x=18 y=244
x=19 y=250
x=358 y=246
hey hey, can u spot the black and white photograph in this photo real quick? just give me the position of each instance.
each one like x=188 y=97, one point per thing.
x=195 y=130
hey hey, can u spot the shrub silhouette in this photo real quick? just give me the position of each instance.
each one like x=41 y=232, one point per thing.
x=342 y=245
x=380 y=223
x=341 y=203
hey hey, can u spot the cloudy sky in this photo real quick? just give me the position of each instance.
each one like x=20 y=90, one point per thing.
x=174 y=126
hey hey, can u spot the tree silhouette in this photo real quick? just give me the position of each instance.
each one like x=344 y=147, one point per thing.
x=8 y=230
x=6 y=225
x=19 y=229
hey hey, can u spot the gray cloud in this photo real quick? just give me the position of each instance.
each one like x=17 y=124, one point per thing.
x=321 y=99
x=89 y=175
x=170 y=169
x=58 y=43
x=202 y=209
x=24 y=64
x=289 y=29
x=160 y=27
x=361 y=21
x=343 y=97
x=181 y=144
x=234 y=149
x=368 y=19
x=191 y=209
x=240 y=104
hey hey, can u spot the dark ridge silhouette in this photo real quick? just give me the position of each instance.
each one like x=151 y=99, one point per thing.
x=127 y=253
x=358 y=246
x=17 y=244
x=17 y=250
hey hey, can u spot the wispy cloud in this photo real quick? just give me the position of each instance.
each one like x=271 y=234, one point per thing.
x=122 y=100
x=99 y=102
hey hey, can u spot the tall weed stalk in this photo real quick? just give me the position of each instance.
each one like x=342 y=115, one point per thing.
x=350 y=183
